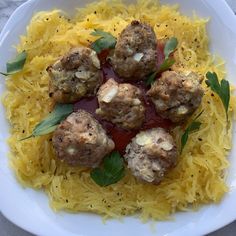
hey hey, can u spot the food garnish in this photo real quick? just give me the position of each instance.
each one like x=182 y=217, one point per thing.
x=106 y=41
x=16 y=64
x=49 y=124
x=222 y=89
x=113 y=170
x=194 y=126
x=170 y=47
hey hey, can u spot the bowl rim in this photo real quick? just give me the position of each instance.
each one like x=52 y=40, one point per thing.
x=218 y=4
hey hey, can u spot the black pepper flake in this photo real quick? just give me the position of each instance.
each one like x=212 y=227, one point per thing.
x=57 y=31
x=91 y=206
x=67 y=200
x=192 y=176
x=42 y=171
x=95 y=12
x=88 y=19
x=50 y=140
x=212 y=94
x=56 y=186
x=23 y=131
x=175 y=19
x=47 y=19
x=208 y=102
x=109 y=206
x=50 y=95
x=200 y=139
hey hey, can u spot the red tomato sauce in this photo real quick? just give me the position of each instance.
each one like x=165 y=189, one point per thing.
x=120 y=136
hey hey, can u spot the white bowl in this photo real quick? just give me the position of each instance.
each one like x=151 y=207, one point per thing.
x=29 y=209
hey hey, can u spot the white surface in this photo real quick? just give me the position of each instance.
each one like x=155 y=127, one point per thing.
x=29 y=209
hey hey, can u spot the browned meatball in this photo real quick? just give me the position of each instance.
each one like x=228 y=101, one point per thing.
x=75 y=75
x=151 y=154
x=81 y=140
x=121 y=104
x=135 y=54
x=176 y=95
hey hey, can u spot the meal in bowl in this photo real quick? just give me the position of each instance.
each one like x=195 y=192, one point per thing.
x=120 y=110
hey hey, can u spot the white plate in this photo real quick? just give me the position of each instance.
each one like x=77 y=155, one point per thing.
x=29 y=209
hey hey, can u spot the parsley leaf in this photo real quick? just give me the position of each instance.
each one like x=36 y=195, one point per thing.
x=113 y=170
x=194 y=126
x=222 y=89
x=106 y=41
x=167 y=63
x=170 y=46
x=49 y=124
x=151 y=78
x=16 y=64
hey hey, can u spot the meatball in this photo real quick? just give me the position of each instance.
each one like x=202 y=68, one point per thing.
x=135 y=54
x=81 y=140
x=176 y=95
x=151 y=154
x=121 y=104
x=77 y=74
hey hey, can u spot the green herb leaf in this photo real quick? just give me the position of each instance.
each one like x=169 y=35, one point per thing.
x=16 y=64
x=170 y=46
x=113 y=170
x=222 y=89
x=163 y=67
x=99 y=177
x=166 y=65
x=194 y=126
x=49 y=124
x=151 y=79
x=106 y=41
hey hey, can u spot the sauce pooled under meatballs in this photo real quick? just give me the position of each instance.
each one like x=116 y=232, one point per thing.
x=135 y=54
x=81 y=140
x=151 y=154
x=77 y=74
x=176 y=95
